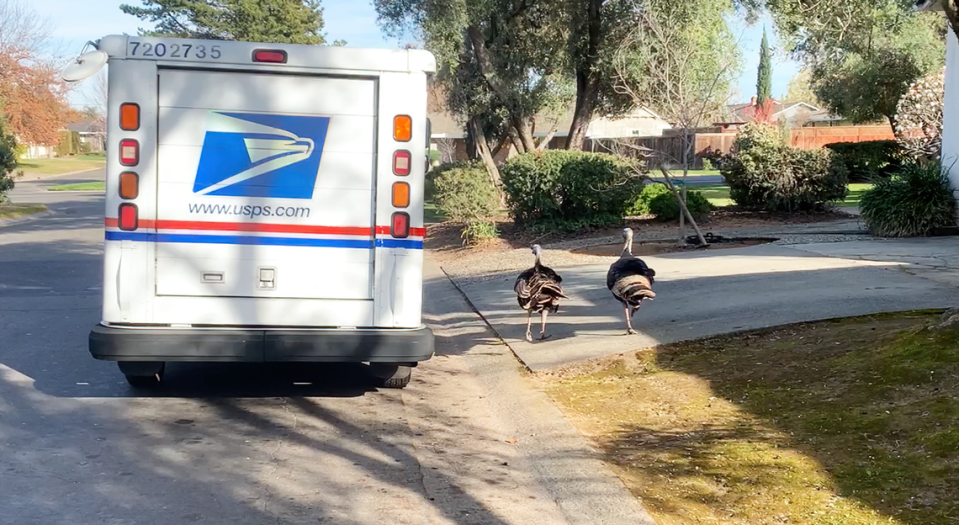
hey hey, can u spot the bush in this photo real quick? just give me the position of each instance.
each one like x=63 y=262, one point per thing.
x=665 y=207
x=656 y=199
x=570 y=190
x=8 y=162
x=764 y=173
x=464 y=192
x=866 y=161
x=641 y=203
x=911 y=203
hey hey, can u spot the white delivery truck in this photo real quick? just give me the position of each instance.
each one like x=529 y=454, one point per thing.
x=264 y=203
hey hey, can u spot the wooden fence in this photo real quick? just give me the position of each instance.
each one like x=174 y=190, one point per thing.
x=813 y=138
x=669 y=147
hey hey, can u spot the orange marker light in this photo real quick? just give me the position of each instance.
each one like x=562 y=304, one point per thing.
x=129 y=185
x=402 y=128
x=129 y=117
x=401 y=194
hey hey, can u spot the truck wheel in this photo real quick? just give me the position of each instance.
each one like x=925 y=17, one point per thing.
x=142 y=374
x=391 y=375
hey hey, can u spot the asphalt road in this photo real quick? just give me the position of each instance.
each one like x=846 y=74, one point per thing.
x=468 y=442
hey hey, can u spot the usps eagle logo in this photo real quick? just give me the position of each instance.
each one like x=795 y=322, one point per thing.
x=260 y=155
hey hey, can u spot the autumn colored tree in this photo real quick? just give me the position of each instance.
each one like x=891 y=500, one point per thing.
x=32 y=96
x=33 y=100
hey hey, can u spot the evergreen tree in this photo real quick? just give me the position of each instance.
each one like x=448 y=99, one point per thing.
x=8 y=161
x=764 y=77
x=286 y=21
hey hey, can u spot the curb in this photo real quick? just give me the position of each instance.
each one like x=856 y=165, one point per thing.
x=30 y=177
x=25 y=218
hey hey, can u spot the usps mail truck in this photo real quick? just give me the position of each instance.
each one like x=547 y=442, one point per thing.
x=264 y=203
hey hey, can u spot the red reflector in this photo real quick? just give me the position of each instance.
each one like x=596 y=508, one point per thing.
x=129 y=152
x=128 y=217
x=400 y=225
x=269 y=55
x=401 y=163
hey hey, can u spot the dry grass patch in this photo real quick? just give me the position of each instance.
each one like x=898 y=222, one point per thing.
x=840 y=422
x=12 y=211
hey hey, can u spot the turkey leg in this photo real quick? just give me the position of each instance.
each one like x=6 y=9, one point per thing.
x=542 y=326
x=629 y=323
x=529 y=323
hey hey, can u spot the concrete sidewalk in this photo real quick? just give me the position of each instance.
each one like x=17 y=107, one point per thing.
x=706 y=293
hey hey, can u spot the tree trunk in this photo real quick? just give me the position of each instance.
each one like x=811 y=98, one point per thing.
x=952 y=14
x=587 y=79
x=482 y=146
x=682 y=204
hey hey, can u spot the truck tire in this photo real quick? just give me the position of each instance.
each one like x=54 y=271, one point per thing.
x=142 y=374
x=389 y=375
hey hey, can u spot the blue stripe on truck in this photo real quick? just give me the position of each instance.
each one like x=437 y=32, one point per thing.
x=410 y=244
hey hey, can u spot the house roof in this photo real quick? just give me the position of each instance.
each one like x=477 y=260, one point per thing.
x=742 y=113
x=83 y=126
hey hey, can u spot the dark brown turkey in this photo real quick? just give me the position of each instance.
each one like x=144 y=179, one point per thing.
x=538 y=290
x=630 y=280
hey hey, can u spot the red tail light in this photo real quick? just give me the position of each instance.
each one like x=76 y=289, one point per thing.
x=128 y=217
x=129 y=152
x=277 y=56
x=400 y=225
x=401 y=163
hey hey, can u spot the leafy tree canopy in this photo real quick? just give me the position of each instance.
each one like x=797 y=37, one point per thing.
x=287 y=21
x=862 y=55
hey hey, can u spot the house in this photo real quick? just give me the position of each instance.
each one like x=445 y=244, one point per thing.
x=448 y=135
x=91 y=133
x=950 y=110
x=796 y=114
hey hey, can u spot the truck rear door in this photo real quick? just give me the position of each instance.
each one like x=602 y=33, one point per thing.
x=265 y=185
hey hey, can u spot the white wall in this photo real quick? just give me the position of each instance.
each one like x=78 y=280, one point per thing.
x=950 y=116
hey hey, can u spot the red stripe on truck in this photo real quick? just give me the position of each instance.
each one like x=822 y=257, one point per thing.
x=112 y=222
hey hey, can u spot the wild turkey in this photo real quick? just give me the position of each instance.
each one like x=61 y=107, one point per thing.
x=538 y=290
x=630 y=280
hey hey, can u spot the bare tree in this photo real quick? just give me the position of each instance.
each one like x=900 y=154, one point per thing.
x=684 y=75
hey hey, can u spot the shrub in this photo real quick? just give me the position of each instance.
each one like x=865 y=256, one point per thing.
x=641 y=203
x=763 y=173
x=665 y=207
x=8 y=162
x=464 y=192
x=570 y=190
x=911 y=203
x=867 y=160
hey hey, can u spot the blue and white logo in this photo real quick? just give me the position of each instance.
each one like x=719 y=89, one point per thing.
x=260 y=155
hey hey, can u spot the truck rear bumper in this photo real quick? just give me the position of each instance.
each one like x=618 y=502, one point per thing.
x=360 y=345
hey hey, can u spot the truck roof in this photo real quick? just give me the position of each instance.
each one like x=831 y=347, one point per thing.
x=241 y=53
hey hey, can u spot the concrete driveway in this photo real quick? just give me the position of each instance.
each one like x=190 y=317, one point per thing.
x=706 y=293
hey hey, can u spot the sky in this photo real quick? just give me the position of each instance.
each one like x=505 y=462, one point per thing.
x=74 y=22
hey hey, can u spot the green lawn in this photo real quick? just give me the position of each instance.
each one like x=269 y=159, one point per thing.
x=80 y=186
x=719 y=195
x=432 y=214
x=848 y=421
x=691 y=173
x=61 y=165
